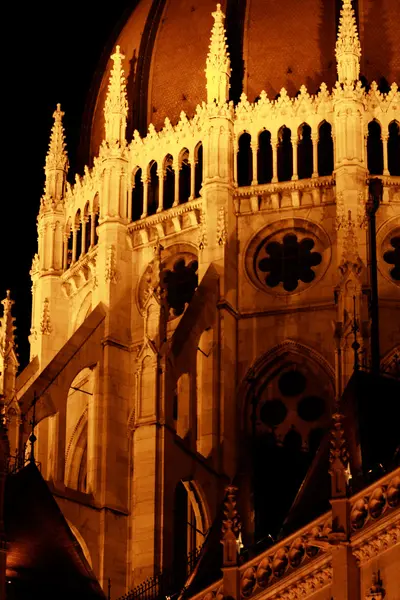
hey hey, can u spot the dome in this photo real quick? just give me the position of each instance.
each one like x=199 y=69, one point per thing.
x=272 y=45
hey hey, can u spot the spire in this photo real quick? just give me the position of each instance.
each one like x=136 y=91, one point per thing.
x=338 y=457
x=218 y=65
x=8 y=357
x=116 y=105
x=56 y=167
x=348 y=48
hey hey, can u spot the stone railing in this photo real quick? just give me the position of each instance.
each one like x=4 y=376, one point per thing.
x=165 y=223
x=285 y=194
x=376 y=501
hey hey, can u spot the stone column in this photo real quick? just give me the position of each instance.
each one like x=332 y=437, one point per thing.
x=385 y=138
x=83 y=240
x=274 y=144
x=254 y=149
x=145 y=196
x=294 y=141
x=161 y=180
x=314 y=138
x=176 y=168
x=92 y=229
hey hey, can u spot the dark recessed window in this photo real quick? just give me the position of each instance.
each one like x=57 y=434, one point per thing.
x=289 y=262
x=273 y=412
x=181 y=283
x=292 y=383
x=392 y=257
x=311 y=408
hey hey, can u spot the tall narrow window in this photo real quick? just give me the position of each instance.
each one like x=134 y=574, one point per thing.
x=264 y=157
x=86 y=225
x=304 y=152
x=325 y=150
x=394 y=148
x=198 y=177
x=69 y=244
x=245 y=160
x=374 y=149
x=78 y=227
x=169 y=182
x=285 y=154
x=137 y=196
x=153 y=190
x=184 y=177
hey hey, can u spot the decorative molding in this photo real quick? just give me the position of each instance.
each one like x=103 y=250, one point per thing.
x=222 y=233
x=45 y=324
x=377 y=544
x=202 y=234
x=111 y=274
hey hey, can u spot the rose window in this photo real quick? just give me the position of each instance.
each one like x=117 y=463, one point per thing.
x=180 y=282
x=289 y=262
x=392 y=257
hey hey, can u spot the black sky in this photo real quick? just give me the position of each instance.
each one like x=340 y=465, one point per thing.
x=51 y=55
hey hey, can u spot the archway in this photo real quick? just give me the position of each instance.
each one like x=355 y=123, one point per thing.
x=244 y=160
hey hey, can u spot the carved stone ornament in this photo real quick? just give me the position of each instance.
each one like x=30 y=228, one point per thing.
x=222 y=233
x=376 y=591
x=111 y=273
x=45 y=324
x=202 y=232
x=230 y=528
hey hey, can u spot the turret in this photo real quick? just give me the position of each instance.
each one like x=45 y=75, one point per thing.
x=9 y=364
x=348 y=49
x=49 y=327
x=218 y=66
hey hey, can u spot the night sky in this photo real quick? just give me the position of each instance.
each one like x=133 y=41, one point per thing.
x=51 y=57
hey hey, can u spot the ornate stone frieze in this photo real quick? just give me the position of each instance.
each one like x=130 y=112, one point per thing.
x=377 y=544
x=375 y=502
x=45 y=323
x=111 y=274
x=222 y=233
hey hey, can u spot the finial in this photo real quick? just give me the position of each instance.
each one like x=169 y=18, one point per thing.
x=231 y=527
x=116 y=105
x=7 y=327
x=348 y=48
x=57 y=158
x=338 y=456
x=218 y=64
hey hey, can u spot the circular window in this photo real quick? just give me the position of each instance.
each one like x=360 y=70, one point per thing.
x=292 y=383
x=288 y=262
x=273 y=412
x=288 y=256
x=311 y=408
x=392 y=258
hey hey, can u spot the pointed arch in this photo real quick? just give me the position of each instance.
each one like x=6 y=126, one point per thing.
x=169 y=181
x=264 y=157
x=325 y=149
x=86 y=227
x=394 y=148
x=153 y=188
x=244 y=160
x=137 y=194
x=374 y=148
x=198 y=169
x=285 y=154
x=304 y=152
x=184 y=176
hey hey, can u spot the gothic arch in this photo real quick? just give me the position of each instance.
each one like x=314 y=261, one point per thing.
x=81 y=542
x=269 y=358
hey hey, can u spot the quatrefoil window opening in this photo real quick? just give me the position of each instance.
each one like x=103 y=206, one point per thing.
x=288 y=262
x=392 y=257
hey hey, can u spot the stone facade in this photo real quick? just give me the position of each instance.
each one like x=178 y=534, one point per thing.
x=188 y=271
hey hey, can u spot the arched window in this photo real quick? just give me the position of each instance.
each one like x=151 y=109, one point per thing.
x=325 y=150
x=152 y=201
x=206 y=418
x=86 y=224
x=95 y=216
x=184 y=176
x=244 y=160
x=137 y=196
x=198 y=170
x=76 y=434
x=169 y=182
x=189 y=530
x=394 y=148
x=264 y=157
x=304 y=152
x=285 y=154
x=78 y=228
x=374 y=149
x=182 y=416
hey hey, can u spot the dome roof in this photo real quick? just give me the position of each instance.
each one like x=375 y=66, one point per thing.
x=272 y=45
